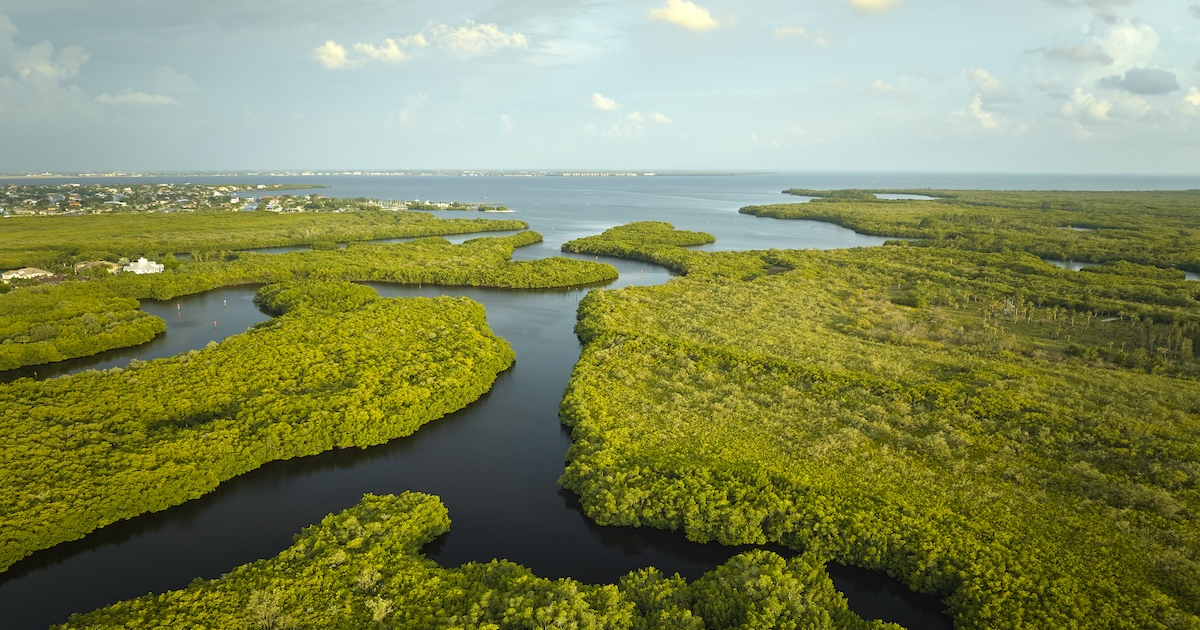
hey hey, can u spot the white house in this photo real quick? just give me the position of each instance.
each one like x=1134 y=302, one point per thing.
x=144 y=266
x=23 y=273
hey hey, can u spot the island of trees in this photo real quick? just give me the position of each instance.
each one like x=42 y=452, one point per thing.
x=340 y=367
x=363 y=569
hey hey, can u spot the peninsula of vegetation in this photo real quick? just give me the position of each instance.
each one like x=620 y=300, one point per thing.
x=1020 y=439
x=1158 y=228
x=363 y=569
x=340 y=367
x=75 y=315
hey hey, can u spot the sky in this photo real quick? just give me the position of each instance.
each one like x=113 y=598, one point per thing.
x=1059 y=86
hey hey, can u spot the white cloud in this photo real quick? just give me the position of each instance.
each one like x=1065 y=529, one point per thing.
x=872 y=6
x=136 y=98
x=403 y=117
x=630 y=126
x=984 y=118
x=37 y=63
x=798 y=32
x=880 y=86
x=988 y=89
x=1129 y=43
x=473 y=39
x=685 y=14
x=1193 y=97
x=1078 y=54
x=168 y=80
x=389 y=52
x=34 y=80
x=332 y=55
x=416 y=40
x=988 y=86
x=1191 y=102
x=506 y=124
x=1095 y=4
x=468 y=40
x=1085 y=107
x=603 y=103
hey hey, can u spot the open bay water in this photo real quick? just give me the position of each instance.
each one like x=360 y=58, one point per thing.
x=495 y=464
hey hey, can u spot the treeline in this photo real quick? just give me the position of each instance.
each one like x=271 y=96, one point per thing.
x=820 y=405
x=86 y=450
x=658 y=242
x=286 y=297
x=646 y=240
x=56 y=242
x=48 y=323
x=74 y=319
x=362 y=568
x=1160 y=229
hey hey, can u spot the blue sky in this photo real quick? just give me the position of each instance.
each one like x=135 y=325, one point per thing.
x=1071 y=86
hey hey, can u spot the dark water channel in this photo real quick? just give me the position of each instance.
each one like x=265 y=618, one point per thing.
x=495 y=464
x=192 y=322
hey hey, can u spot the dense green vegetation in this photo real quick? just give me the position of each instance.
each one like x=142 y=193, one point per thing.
x=73 y=319
x=363 y=569
x=54 y=242
x=89 y=449
x=289 y=296
x=1161 y=229
x=476 y=262
x=1021 y=439
x=42 y=324
x=633 y=239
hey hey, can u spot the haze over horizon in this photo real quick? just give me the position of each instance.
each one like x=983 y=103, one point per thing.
x=1065 y=86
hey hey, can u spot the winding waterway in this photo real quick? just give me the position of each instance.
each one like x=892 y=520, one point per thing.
x=495 y=464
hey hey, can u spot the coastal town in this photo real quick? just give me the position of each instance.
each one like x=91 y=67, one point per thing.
x=29 y=201
x=79 y=199
x=76 y=199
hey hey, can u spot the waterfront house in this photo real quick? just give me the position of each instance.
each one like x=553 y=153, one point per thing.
x=144 y=266
x=24 y=273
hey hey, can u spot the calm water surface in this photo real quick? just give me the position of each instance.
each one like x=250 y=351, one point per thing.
x=495 y=464
x=192 y=322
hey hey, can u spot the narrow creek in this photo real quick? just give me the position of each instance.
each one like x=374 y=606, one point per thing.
x=495 y=465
